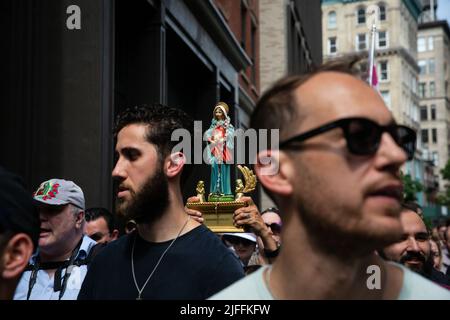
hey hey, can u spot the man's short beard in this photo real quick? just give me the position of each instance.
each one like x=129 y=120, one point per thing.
x=423 y=268
x=333 y=226
x=337 y=238
x=148 y=204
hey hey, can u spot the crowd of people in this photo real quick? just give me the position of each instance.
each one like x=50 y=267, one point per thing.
x=339 y=212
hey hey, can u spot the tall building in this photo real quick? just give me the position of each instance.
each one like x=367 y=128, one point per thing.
x=290 y=33
x=433 y=48
x=242 y=18
x=290 y=42
x=70 y=66
x=345 y=31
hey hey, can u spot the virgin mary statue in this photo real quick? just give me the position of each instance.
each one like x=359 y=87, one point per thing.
x=220 y=137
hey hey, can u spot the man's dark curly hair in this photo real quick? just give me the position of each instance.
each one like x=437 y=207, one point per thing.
x=161 y=121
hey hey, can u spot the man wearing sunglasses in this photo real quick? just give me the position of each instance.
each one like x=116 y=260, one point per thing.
x=272 y=219
x=338 y=185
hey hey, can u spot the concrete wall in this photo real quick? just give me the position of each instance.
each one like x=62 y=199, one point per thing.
x=57 y=95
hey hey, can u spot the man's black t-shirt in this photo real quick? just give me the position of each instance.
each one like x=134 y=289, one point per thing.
x=438 y=277
x=197 y=266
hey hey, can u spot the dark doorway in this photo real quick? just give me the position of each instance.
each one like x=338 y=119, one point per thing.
x=139 y=54
x=191 y=86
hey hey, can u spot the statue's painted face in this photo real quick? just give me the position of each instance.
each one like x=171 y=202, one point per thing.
x=218 y=114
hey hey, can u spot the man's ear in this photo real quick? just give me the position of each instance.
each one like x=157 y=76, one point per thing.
x=114 y=234
x=80 y=219
x=175 y=164
x=16 y=256
x=273 y=169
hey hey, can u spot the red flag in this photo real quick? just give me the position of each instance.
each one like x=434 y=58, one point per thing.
x=374 y=80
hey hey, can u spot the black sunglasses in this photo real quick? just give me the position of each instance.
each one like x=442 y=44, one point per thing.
x=363 y=136
x=275 y=227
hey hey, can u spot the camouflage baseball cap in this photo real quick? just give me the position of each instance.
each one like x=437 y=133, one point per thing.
x=59 y=192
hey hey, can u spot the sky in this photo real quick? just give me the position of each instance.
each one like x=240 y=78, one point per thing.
x=443 y=11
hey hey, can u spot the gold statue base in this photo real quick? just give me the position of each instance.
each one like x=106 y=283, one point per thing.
x=218 y=215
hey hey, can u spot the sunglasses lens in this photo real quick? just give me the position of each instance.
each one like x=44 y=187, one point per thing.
x=363 y=136
x=275 y=227
x=406 y=139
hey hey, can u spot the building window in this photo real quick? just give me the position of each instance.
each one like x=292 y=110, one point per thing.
x=361 y=15
x=430 y=43
x=332 y=47
x=332 y=21
x=382 y=12
x=424 y=135
x=432 y=89
x=244 y=14
x=423 y=113
x=431 y=66
x=423 y=66
x=422 y=89
x=361 y=42
x=433 y=112
x=386 y=97
x=421 y=45
x=384 y=75
x=382 y=39
x=434 y=135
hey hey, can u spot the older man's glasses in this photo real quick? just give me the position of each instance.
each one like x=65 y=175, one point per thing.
x=362 y=135
x=275 y=227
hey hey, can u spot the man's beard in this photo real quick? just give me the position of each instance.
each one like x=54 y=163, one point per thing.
x=338 y=235
x=335 y=227
x=331 y=237
x=149 y=204
x=412 y=255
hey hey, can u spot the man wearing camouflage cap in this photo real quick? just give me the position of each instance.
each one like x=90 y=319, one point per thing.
x=58 y=268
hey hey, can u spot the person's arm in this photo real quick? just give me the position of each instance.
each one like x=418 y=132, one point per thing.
x=249 y=218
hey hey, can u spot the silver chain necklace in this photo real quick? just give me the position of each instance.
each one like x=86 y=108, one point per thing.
x=157 y=264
